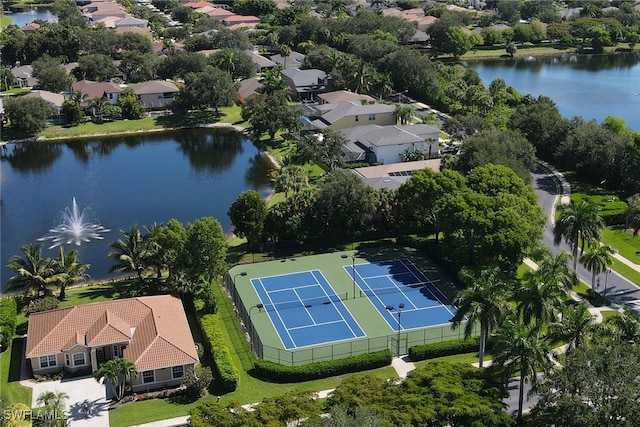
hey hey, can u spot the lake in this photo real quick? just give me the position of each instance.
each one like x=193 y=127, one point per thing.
x=591 y=86
x=125 y=181
x=23 y=18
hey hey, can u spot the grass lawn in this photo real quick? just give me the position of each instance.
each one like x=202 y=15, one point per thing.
x=16 y=91
x=530 y=50
x=456 y=358
x=5 y=20
x=626 y=271
x=10 y=374
x=624 y=242
x=608 y=314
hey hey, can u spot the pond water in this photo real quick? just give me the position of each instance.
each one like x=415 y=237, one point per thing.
x=124 y=181
x=23 y=18
x=591 y=86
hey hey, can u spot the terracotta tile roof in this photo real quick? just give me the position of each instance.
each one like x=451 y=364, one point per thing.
x=156 y=327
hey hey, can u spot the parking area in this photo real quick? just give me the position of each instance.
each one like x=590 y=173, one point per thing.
x=87 y=403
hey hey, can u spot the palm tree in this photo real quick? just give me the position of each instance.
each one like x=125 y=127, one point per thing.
x=403 y=113
x=596 y=259
x=556 y=268
x=285 y=51
x=361 y=76
x=272 y=82
x=539 y=297
x=577 y=323
x=626 y=326
x=383 y=85
x=53 y=399
x=152 y=246
x=69 y=270
x=577 y=224
x=97 y=105
x=483 y=301
x=129 y=253
x=35 y=273
x=116 y=372
x=518 y=350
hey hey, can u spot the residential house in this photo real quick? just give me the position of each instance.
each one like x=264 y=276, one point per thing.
x=339 y=96
x=30 y=28
x=91 y=90
x=306 y=84
x=392 y=176
x=219 y=13
x=249 y=20
x=294 y=60
x=131 y=22
x=347 y=114
x=155 y=94
x=260 y=61
x=55 y=100
x=152 y=332
x=23 y=75
x=385 y=144
x=248 y=87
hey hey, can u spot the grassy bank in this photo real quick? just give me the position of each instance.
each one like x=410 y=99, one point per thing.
x=10 y=362
x=532 y=50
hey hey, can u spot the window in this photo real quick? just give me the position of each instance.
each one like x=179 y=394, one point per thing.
x=115 y=351
x=110 y=96
x=78 y=359
x=372 y=116
x=168 y=95
x=148 y=377
x=48 y=361
x=357 y=118
x=66 y=359
x=177 y=371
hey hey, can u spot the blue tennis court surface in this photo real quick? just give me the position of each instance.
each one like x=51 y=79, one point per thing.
x=391 y=283
x=305 y=310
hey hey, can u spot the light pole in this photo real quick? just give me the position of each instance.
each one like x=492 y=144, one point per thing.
x=353 y=271
x=251 y=328
x=606 y=278
x=399 y=310
x=233 y=279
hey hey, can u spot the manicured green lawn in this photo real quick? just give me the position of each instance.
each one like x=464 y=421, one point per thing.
x=624 y=242
x=608 y=314
x=10 y=374
x=456 y=358
x=5 y=20
x=626 y=271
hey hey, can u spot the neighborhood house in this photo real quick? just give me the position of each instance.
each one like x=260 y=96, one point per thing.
x=152 y=332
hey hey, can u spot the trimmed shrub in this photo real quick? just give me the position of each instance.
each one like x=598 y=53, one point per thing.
x=8 y=315
x=42 y=304
x=227 y=370
x=612 y=209
x=197 y=381
x=312 y=371
x=445 y=348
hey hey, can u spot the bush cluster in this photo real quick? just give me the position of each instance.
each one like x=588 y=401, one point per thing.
x=227 y=371
x=8 y=316
x=445 y=348
x=612 y=210
x=197 y=381
x=312 y=371
x=42 y=304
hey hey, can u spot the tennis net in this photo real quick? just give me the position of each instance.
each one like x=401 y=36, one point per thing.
x=397 y=289
x=307 y=302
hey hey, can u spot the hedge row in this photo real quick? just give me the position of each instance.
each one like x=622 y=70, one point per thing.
x=8 y=318
x=212 y=329
x=445 y=348
x=272 y=371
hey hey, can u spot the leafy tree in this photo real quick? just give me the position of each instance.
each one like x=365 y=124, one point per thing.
x=512 y=49
x=254 y=7
x=197 y=381
x=576 y=225
x=170 y=240
x=596 y=259
x=341 y=417
x=116 y=372
x=205 y=249
x=518 y=350
x=272 y=82
x=139 y=66
x=211 y=88
x=27 y=115
x=213 y=414
x=42 y=304
x=95 y=67
x=596 y=387
x=344 y=205
x=235 y=62
x=482 y=301
x=324 y=148
x=178 y=64
x=456 y=42
x=248 y=214
x=69 y=269
x=291 y=178
x=269 y=113
x=72 y=112
x=128 y=102
x=51 y=76
x=35 y=274
x=633 y=213
x=129 y=254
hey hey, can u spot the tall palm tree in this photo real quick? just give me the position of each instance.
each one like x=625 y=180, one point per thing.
x=285 y=51
x=69 y=270
x=539 y=298
x=403 y=113
x=272 y=82
x=361 y=76
x=383 y=85
x=129 y=253
x=116 y=372
x=35 y=274
x=519 y=351
x=577 y=224
x=626 y=326
x=483 y=301
x=596 y=259
x=97 y=105
x=556 y=268
x=577 y=323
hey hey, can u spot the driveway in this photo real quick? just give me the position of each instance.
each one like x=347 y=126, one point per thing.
x=81 y=390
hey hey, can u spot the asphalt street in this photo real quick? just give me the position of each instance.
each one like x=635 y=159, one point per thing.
x=618 y=289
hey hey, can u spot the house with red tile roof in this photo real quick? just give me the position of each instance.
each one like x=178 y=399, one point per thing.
x=91 y=90
x=30 y=27
x=152 y=332
x=237 y=20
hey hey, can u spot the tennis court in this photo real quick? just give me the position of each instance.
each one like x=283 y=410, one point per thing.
x=305 y=310
x=388 y=284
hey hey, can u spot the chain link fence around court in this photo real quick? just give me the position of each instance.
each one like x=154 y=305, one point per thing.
x=398 y=343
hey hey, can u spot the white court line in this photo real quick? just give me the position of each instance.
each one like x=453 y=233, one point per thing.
x=304 y=306
x=338 y=296
x=284 y=325
x=446 y=306
x=325 y=323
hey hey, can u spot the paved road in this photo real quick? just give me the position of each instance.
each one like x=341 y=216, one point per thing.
x=619 y=289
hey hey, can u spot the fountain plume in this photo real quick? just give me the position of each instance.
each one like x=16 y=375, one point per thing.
x=75 y=228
